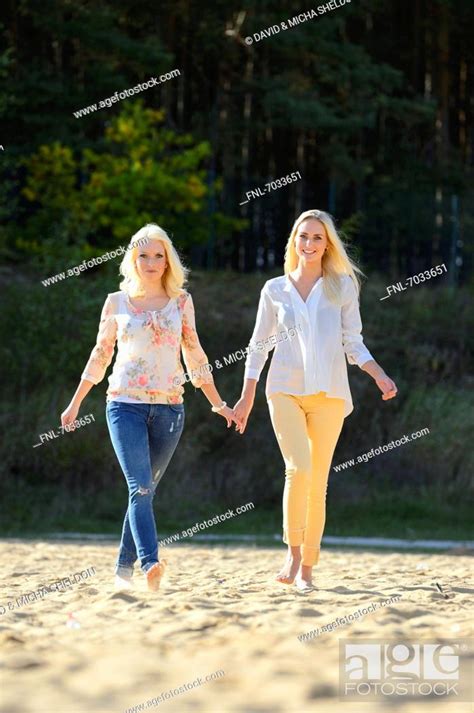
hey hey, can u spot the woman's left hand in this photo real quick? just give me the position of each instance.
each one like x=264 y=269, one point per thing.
x=387 y=386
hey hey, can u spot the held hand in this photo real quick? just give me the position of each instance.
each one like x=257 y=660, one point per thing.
x=242 y=411
x=69 y=415
x=229 y=415
x=386 y=386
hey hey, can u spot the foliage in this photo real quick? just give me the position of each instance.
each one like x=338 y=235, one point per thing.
x=143 y=172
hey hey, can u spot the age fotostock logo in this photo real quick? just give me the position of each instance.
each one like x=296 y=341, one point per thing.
x=371 y=670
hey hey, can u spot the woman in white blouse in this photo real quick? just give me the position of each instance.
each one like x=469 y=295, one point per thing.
x=307 y=387
x=151 y=318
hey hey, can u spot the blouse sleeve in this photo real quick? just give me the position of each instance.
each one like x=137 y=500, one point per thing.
x=354 y=347
x=260 y=344
x=102 y=353
x=194 y=355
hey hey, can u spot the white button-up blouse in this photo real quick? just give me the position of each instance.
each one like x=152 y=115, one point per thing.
x=314 y=360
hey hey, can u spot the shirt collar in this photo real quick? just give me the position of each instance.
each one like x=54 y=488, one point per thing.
x=288 y=283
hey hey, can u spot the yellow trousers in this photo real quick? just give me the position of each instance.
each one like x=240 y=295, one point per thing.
x=307 y=429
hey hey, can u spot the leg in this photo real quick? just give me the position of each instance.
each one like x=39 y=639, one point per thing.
x=289 y=423
x=128 y=427
x=325 y=418
x=163 y=437
x=166 y=427
x=127 y=552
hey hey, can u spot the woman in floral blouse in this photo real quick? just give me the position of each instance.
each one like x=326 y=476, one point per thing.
x=152 y=320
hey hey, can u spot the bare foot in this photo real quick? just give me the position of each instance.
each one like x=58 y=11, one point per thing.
x=306 y=574
x=154 y=575
x=123 y=582
x=304 y=582
x=283 y=570
x=290 y=569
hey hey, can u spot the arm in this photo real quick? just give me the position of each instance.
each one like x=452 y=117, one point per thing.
x=195 y=359
x=99 y=360
x=352 y=342
x=265 y=326
x=354 y=347
x=386 y=385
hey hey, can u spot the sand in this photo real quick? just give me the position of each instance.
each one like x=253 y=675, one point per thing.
x=218 y=610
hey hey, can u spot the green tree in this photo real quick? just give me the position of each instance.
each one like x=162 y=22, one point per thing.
x=143 y=172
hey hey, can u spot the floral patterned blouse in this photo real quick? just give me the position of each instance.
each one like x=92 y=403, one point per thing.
x=148 y=365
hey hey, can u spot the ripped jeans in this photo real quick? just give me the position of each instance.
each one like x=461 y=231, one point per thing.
x=144 y=437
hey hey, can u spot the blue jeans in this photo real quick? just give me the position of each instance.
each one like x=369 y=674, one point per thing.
x=144 y=437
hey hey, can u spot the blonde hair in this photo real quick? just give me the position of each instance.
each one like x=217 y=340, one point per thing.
x=335 y=261
x=175 y=275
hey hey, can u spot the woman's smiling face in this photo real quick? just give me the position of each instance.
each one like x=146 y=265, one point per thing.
x=151 y=261
x=311 y=240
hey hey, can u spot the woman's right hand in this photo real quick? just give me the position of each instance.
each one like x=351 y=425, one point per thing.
x=228 y=414
x=242 y=411
x=69 y=415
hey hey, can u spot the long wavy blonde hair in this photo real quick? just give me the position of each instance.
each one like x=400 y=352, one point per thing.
x=335 y=261
x=175 y=275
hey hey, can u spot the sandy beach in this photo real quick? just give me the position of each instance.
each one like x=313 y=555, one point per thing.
x=218 y=610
